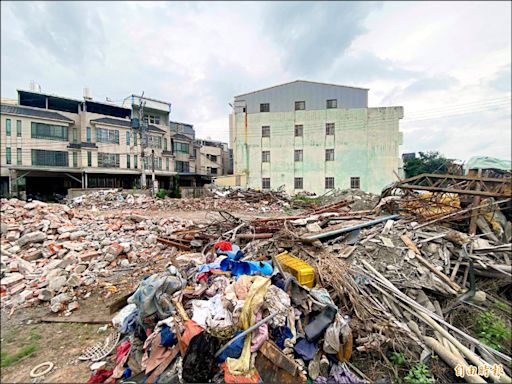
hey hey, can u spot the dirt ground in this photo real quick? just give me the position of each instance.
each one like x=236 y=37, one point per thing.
x=29 y=341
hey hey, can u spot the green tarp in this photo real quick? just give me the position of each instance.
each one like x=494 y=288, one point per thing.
x=484 y=162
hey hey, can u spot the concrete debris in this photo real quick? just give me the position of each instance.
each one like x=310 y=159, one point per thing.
x=303 y=293
x=54 y=248
x=236 y=200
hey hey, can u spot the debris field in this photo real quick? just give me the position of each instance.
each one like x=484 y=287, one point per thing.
x=344 y=288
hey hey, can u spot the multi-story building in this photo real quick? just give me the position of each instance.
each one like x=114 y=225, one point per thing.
x=309 y=136
x=50 y=143
x=214 y=157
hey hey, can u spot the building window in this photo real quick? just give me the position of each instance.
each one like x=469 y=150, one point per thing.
x=299 y=130
x=128 y=165
x=265 y=107
x=265 y=183
x=212 y=157
x=165 y=144
x=213 y=171
x=329 y=182
x=265 y=131
x=18 y=156
x=181 y=166
x=108 y=160
x=18 y=128
x=152 y=119
x=297 y=155
x=154 y=141
x=127 y=138
x=135 y=139
x=8 y=127
x=75 y=159
x=332 y=103
x=265 y=156
x=355 y=183
x=329 y=129
x=329 y=155
x=49 y=132
x=135 y=161
x=109 y=136
x=298 y=183
x=89 y=159
x=50 y=158
x=88 y=134
x=300 y=105
x=8 y=155
x=167 y=164
x=74 y=135
x=181 y=147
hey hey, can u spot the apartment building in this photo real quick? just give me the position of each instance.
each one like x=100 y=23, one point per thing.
x=50 y=143
x=214 y=157
x=309 y=136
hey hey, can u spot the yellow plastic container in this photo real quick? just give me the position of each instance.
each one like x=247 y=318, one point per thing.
x=302 y=271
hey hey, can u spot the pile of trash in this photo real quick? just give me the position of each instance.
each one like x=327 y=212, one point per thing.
x=222 y=318
x=311 y=297
x=248 y=200
x=50 y=253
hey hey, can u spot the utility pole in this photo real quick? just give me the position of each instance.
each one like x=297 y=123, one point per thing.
x=153 y=172
x=142 y=135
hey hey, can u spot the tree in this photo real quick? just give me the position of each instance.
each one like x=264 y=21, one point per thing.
x=427 y=162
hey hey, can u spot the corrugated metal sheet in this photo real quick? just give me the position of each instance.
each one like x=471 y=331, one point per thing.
x=282 y=98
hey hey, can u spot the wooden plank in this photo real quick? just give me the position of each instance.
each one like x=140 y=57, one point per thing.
x=407 y=241
x=250 y=236
x=278 y=358
x=183 y=247
x=81 y=319
x=119 y=303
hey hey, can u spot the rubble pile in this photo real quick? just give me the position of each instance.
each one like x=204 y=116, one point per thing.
x=52 y=254
x=251 y=201
x=317 y=296
x=309 y=297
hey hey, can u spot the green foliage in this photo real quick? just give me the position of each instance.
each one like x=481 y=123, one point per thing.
x=7 y=359
x=492 y=330
x=397 y=358
x=161 y=193
x=419 y=374
x=427 y=162
x=502 y=306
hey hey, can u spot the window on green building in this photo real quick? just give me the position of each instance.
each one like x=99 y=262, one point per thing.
x=18 y=128
x=8 y=155
x=89 y=159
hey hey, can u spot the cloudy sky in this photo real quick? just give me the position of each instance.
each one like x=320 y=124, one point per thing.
x=448 y=64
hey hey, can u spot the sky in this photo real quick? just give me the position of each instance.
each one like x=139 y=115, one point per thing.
x=447 y=63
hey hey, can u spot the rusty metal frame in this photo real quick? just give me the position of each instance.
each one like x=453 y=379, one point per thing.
x=463 y=185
